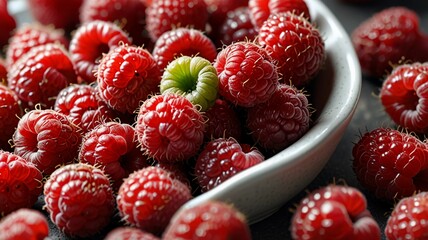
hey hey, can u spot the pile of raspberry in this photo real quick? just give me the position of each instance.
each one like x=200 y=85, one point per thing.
x=119 y=115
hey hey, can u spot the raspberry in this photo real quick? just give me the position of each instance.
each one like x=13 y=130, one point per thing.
x=403 y=96
x=246 y=73
x=237 y=27
x=296 y=45
x=126 y=76
x=192 y=77
x=178 y=171
x=334 y=212
x=391 y=164
x=208 y=220
x=39 y=75
x=7 y=24
x=47 y=139
x=83 y=107
x=261 y=9
x=61 y=15
x=276 y=126
x=223 y=158
x=387 y=38
x=130 y=14
x=149 y=197
x=182 y=42
x=20 y=183
x=129 y=233
x=223 y=121
x=79 y=199
x=113 y=148
x=88 y=44
x=170 y=128
x=407 y=220
x=10 y=112
x=164 y=15
x=30 y=35
x=24 y=223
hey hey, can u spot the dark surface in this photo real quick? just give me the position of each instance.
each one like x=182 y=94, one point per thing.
x=368 y=116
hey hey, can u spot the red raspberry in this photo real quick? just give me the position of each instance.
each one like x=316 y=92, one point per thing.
x=237 y=27
x=129 y=14
x=83 y=107
x=20 y=183
x=129 y=233
x=47 y=139
x=334 y=212
x=407 y=220
x=275 y=126
x=79 y=199
x=39 y=75
x=113 y=147
x=29 y=35
x=126 y=76
x=222 y=122
x=247 y=74
x=164 y=15
x=7 y=24
x=183 y=42
x=178 y=171
x=149 y=197
x=223 y=158
x=391 y=164
x=10 y=112
x=60 y=14
x=403 y=96
x=170 y=128
x=24 y=223
x=208 y=221
x=387 y=38
x=296 y=45
x=88 y=44
x=261 y=9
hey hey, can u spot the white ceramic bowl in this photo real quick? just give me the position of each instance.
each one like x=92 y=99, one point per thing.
x=261 y=190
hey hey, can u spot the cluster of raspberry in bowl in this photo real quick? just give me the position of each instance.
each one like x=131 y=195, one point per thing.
x=136 y=107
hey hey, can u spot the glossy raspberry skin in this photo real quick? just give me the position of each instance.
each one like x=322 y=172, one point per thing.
x=7 y=24
x=403 y=96
x=20 y=183
x=60 y=14
x=334 y=212
x=128 y=233
x=182 y=42
x=169 y=128
x=387 y=38
x=47 y=139
x=246 y=73
x=222 y=122
x=164 y=15
x=236 y=27
x=39 y=75
x=30 y=35
x=88 y=44
x=10 y=112
x=209 y=220
x=223 y=158
x=24 y=223
x=391 y=164
x=83 y=107
x=126 y=76
x=149 y=197
x=129 y=14
x=261 y=9
x=113 y=147
x=79 y=199
x=276 y=126
x=296 y=45
x=407 y=220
